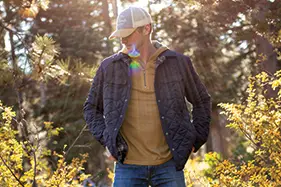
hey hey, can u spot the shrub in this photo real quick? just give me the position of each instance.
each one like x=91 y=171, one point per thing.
x=24 y=163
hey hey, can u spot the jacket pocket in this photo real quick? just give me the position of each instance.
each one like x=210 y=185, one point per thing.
x=105 y=136
x=108 y=143
x=117 y=80
x=115 y=74
x=171 y=79
x=172 y=87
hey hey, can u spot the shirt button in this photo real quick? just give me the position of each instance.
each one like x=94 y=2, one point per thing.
x=167 y=133
x=126 y=100
x=121 y=116
x=173 y=149
x=159 y=101
x=162 y=117
x=115 y=129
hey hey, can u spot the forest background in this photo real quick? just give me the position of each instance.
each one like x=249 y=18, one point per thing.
x=49 y=52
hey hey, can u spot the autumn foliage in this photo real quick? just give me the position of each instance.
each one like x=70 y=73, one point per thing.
x=258 y=119
x=24 y=162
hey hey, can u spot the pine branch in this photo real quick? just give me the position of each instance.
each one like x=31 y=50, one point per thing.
x=15 y=33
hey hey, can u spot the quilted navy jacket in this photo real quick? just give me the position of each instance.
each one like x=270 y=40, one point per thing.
x=175 y=81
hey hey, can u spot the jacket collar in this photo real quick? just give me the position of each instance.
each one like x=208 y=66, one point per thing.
x=163 y=56
x=160 y=59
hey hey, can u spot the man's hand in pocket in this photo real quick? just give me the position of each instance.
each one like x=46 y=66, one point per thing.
x=109 y=156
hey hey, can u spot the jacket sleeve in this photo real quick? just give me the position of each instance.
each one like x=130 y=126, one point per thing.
x=198 y=96
x=93 y=107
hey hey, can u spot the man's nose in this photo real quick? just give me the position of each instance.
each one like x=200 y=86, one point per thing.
x=124 y=40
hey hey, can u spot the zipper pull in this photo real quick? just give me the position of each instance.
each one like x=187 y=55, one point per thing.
x=144 y=78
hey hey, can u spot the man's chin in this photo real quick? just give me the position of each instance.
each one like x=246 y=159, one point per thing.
x=129 y=47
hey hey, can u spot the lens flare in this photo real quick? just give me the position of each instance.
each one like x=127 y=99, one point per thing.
x=135 y=67
x=134 y=53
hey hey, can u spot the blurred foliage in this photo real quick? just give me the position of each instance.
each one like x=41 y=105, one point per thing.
x=221 y=38
x=42 y=87
x=258 y=119
x=35 y=170
x=56 y=46
x=78 y=27
x=258 y=17
x=243 y=151
x=194 y=172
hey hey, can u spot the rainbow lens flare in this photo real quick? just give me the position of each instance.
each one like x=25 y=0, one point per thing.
x=135 y=67
x=134 y=53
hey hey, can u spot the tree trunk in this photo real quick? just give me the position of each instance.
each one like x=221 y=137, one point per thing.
x=265 y=51
x=219 y=134
x=115 y=13
x=108 y=25
x=269 y=64
x=114 y=8
x=43 y=94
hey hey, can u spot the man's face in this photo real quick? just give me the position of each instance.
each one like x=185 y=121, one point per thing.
x=136 y=38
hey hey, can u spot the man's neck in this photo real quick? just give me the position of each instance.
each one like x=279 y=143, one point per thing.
x=146 y=51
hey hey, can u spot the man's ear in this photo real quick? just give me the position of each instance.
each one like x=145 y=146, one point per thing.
x=147 y=29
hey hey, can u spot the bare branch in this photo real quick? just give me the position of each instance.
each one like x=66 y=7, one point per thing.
x=75 y=140
x=11 y=171
x=34 y=184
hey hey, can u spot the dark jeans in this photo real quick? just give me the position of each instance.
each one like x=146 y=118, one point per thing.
x=164 y=175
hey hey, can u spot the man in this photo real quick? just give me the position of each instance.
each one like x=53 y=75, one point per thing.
x=136 y=107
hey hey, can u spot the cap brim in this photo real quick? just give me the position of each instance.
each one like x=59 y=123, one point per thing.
x=121 y=33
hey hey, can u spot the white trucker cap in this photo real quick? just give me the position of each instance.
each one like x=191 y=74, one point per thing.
x=130 y=19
